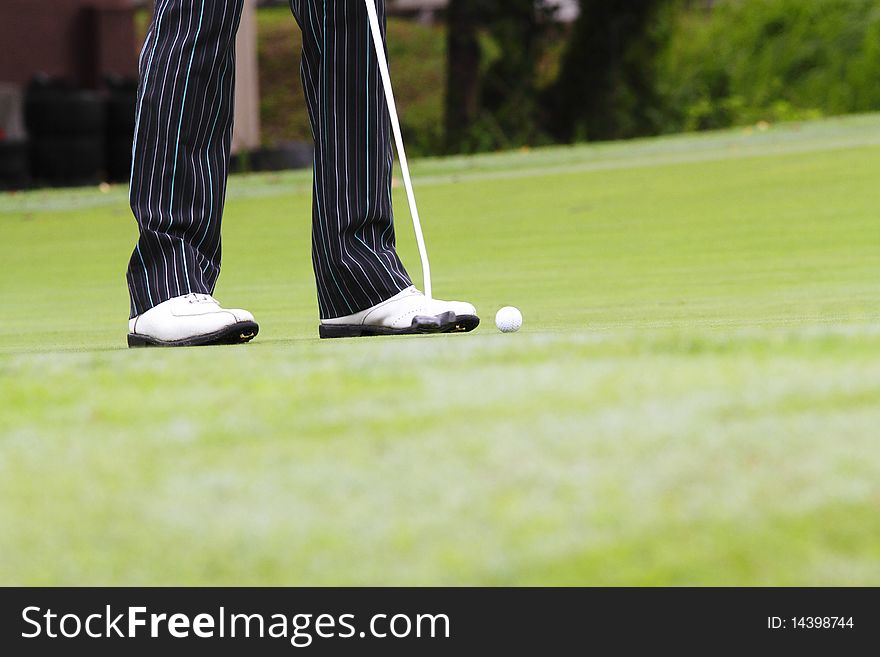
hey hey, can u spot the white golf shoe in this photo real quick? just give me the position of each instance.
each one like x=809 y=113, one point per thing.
x=407 y=313
x=189 y=321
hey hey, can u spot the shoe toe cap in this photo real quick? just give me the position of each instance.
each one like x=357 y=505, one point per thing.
x=438 y=307
x=461 y=308
x=241 y=315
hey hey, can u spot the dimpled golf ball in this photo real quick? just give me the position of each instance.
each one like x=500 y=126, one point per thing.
x=508 y=319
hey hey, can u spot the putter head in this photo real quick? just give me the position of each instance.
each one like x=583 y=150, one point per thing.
x=428 y=324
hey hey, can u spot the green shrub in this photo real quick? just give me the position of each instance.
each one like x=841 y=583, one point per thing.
x=774 y=60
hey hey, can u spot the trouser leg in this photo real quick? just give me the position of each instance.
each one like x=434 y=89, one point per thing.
x=353 y=241
x=181 y=151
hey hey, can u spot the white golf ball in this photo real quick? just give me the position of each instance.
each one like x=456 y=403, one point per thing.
x=508 y=319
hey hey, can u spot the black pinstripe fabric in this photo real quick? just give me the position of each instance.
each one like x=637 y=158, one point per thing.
x=182 y=143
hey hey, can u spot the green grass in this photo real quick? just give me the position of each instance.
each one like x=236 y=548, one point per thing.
x=695 y=397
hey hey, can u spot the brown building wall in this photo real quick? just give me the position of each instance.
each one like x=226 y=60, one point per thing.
x=81 y=40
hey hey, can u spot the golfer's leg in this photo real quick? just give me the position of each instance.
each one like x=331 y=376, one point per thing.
x=353 y=241
x=181 y=150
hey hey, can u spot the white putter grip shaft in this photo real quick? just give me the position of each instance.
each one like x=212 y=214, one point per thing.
x=398 y=138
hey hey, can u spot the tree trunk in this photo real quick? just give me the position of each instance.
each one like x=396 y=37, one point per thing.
x=463 y=77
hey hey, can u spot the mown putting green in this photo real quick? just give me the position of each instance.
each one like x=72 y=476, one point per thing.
x=694 y=398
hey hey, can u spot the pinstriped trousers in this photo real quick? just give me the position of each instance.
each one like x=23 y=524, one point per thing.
x=182 y=142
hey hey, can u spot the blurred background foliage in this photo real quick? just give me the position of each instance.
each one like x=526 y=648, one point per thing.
x=501 y=74
x=772 y=60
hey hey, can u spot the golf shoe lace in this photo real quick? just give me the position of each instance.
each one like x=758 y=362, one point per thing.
x=202 y=298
